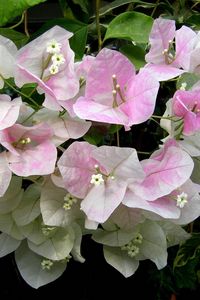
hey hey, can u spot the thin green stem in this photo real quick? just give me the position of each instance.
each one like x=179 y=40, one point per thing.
x=155 y=7
x=152 y=119
x=98 y=24
x=26 y=24
x=143 y=152
x=32 y=114
x=118 y=140
x=22 y=94
x=17 y=24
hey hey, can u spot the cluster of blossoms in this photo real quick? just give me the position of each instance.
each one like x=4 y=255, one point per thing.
x=135 y=208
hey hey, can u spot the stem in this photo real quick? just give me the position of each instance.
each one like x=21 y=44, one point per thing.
x=17 y=24
x=26 y=24
x=98 y=24
x=155 y=7
x=21 y=93
x=143 y=152
x=194 y=5
x=117 y=135
x=152 y=119
x=32 y=114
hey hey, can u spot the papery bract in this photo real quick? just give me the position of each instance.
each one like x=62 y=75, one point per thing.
x=9 y=111
x=115 y=167
x=76 y=166
x=30 y=150
x=8 y=51
x=114 y=93
x=64 y=127
x=186 y=105
x=32 y=65
x=5 y=174
x=166 y=170
x=164 y=61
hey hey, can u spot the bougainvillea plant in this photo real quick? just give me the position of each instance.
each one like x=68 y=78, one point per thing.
x=65 y=170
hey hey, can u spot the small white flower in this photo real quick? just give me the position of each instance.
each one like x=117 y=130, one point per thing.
x=131 y=248
x=46 y=264
x=181 y=200
x=69 y=200
x=138 y=239
x=53 y=47
x=58 y=59
x=53 y=69
x=97 y=179
x=183 y=86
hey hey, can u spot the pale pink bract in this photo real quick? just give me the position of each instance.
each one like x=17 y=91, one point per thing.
x=31 y=151
x=134 y=97
x=30 y=65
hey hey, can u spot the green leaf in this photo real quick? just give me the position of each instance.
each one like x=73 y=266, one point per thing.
x=133 y=26
x=95 y=134
x=57 y=247
x=187 y=78
x=194 y=21
x=18 y=38
x=83 y=4
x=117 y=3
x=136 y=55
x=7 y=244
x=120 y=261
x=10 y=9
x=114 y=128
x=29 y=265
x=188 y=251
x=29 y=208
x=77 y=41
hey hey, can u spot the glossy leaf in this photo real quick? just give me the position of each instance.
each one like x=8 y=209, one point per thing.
x=10 y=9
x=128 y=26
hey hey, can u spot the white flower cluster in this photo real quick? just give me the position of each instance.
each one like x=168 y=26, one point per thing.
x=69 y=200
x=132 y=246
x=53 y=48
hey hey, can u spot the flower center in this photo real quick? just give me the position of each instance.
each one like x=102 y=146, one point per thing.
x=117 y=91
x=99 y=177
x=169 y=53
x=46 y=264
x=181 y=200
x=132 y=248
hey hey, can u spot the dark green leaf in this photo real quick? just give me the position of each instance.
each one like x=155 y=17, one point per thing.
x=136 y=55
x=18 y=38
x=188 y=78
x=117 y=3
x=10 y=9
x=83 y=4
x=194 y=20
x=133 y=26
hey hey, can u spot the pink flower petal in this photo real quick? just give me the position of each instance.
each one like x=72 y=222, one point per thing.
x=102 y=200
